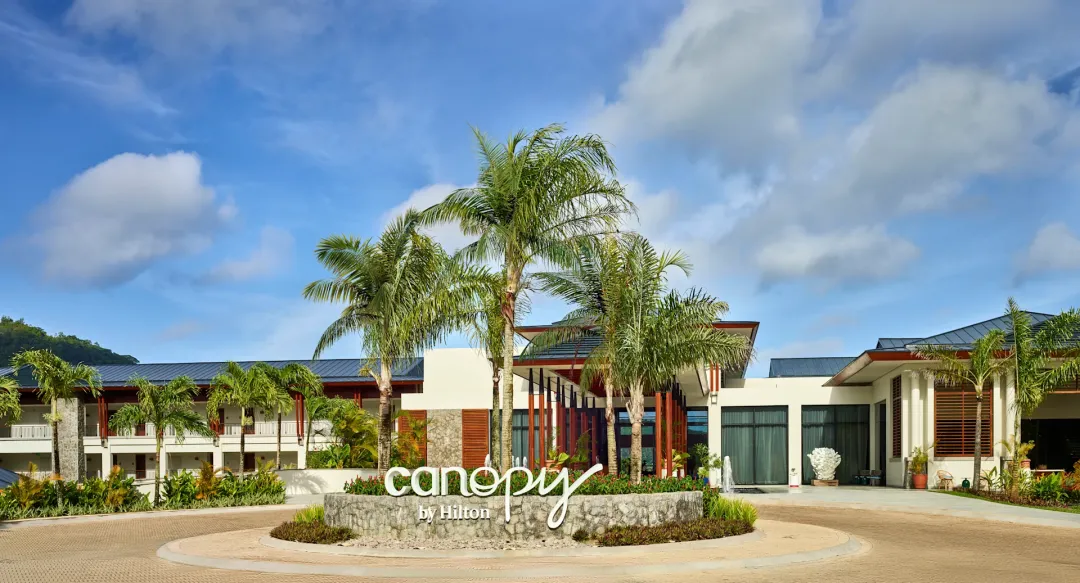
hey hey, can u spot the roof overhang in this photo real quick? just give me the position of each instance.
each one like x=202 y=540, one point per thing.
x=874 y=364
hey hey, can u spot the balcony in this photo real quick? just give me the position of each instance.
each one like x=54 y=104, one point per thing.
x=26 y=432
x=262 y=428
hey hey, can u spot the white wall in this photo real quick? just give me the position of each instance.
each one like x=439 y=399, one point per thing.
x=302 y=482
x=1058 y=407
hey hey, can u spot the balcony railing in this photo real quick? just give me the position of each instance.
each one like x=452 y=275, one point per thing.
x=26 y=432
x=288 y=429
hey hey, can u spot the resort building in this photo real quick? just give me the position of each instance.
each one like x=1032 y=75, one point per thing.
x=873 y=408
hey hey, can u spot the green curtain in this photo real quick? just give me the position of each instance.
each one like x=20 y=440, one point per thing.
x=755 y=438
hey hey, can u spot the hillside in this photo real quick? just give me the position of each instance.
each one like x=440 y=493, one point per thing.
x=17 y=335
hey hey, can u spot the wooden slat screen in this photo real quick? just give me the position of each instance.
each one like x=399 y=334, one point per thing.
x=954 y=420
x=474 y=437
x=403 y=427
x=897 y=422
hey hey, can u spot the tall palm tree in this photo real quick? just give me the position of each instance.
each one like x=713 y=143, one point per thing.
x=293 y=377
x=984 y=362
x=486 y=333
x=402 y=292
x=595 y=286
x=1043 y=357
x=57 y=379
x=168 y=406
x=10 y=409
x=662 y=332
x=246 y=389
x=535 y=197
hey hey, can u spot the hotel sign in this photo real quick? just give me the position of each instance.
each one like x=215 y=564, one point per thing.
x=470 y=486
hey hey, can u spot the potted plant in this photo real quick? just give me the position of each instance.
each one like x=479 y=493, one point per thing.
x=919 y=459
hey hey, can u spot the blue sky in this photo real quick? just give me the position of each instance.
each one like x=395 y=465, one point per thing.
x=837 y=171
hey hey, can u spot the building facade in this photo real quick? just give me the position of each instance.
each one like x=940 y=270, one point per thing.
x=874 y=409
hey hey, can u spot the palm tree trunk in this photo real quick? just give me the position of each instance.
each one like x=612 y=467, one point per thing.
x=242 y=443
x=609 y=415
x=494 y=443
x=55 y=440
x=157 y=468
x=978 y=440
x=277 y=457
x=509 y=307
x=385 y=428
x=636 y=410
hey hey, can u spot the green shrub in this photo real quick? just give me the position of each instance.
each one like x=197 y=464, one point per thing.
x=311 y=532
x=734 y=509
x=1050 y=488
x=179 y=488
x=605 y=484
x=310 y=514
x=700 y=529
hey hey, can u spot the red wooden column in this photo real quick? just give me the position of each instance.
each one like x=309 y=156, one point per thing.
x=658 y=438
x=103 y=418
x=560 y=421
x=667 y=430
x=531 y=445
x=547 y=433
x=299 y=408
x=572 y=422
x=592 y=433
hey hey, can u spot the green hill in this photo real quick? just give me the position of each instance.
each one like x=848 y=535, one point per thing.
x=17 y=335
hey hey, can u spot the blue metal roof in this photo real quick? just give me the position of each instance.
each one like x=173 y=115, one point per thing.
x=331 y=371
x=894 y=343
x=963 y=338
x=825 y=366
x=580 y=348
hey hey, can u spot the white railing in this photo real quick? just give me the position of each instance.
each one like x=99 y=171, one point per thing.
x=31 y=432
x=288 y=429
x=91 y=430
x=170 y=432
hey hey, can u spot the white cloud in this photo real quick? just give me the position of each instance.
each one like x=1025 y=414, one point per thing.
x=861 y=253
x=274 y=252
x=1054 y=248
x=722 y=76
x=116 y=219
x=179 y=331
x=47 y=56
x=448 y=235
x=183 y=27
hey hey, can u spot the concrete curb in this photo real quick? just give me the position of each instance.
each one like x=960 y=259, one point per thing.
x=54 y=520
x=583 y=551
x=851 y=546
x=990 y=515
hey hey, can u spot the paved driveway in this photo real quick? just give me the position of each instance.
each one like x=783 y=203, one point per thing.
x=905 y=547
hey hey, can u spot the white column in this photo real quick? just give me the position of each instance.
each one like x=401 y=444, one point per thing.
x=161 y=466
x=999 y=415
x=219 y=458
x=874 y=461
x=106 y=462
x=301 y=457
x=715 y=476
x=915 y=432
x=1010 y=409
x=795 y=440
x=929 y=424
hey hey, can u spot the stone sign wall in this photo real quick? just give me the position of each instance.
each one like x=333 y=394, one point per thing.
x=444 y=437
x=473 y=517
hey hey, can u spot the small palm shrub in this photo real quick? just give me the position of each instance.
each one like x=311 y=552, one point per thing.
x=311 y=532
x=733 y=509
x=30 y=498
x=180 y=489
x=26 y=490
x=310 y=514
x=699 y=529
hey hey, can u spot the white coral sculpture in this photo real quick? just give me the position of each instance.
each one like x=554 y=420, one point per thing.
x=824 y=461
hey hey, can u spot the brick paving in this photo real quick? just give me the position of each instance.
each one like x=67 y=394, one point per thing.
x=905 y=547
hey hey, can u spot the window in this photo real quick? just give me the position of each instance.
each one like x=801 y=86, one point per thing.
x=954 y=420
x=897 y=422
x=844 y=428
x=755 y=438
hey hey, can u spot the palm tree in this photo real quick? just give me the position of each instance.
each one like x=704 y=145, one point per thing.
x=10 y=409
x=1034 y=353
x=402 y=292
x=486 y=332
x=984 y=362
x=291 y=377
x=662 y=332
x=57 y=379
x=246 y=389
x=318 y=408
x=535 y=197
x=171 y=405
x=595 y=286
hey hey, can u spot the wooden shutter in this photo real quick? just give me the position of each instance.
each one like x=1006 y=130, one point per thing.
x=897 y=421
x=403 y=428
x=474 y=437
x=954 y=420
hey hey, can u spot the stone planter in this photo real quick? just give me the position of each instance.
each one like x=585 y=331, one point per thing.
x=473 y=517
x=825 y=482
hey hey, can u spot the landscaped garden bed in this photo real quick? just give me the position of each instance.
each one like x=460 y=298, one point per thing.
x=33 y=498
x=1059 y=492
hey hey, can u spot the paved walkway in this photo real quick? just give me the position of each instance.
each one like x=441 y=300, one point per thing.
x=919 y=501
